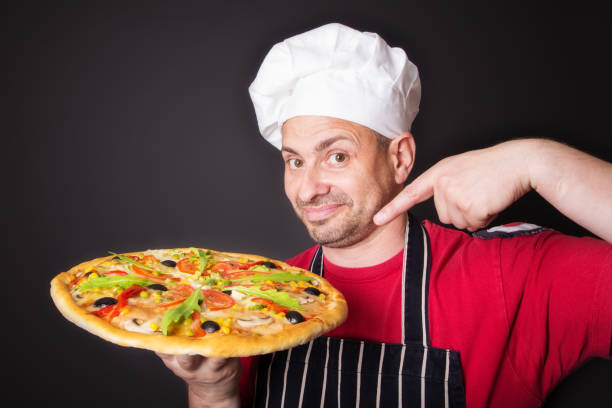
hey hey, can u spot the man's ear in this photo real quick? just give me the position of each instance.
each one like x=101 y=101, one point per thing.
x=402 y=150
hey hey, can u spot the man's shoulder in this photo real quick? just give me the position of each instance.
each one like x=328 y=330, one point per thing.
x=302 y=260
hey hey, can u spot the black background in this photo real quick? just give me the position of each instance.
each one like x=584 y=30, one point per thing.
x=128 y=126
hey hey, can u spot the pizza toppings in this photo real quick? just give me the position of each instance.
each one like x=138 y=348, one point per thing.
x=252 y=321
x=216 y=300
x=182 y=311
x=210 y=326
x=312 y=291
x=294 y=317
x=157 y=286
x=105 y=301
x=193 y=292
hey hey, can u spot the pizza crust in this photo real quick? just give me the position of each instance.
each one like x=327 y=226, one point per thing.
x=211 y=345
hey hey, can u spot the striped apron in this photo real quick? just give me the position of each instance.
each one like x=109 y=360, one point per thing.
x=330 y=372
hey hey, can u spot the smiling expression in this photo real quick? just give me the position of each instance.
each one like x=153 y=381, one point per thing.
x=336 y=177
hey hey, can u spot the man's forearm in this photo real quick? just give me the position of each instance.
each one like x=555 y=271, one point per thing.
x=577 y=184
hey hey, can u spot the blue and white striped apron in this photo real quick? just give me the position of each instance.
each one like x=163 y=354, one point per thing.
x=330 y=372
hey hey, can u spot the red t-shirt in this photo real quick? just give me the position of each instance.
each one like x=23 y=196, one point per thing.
x=523 y=312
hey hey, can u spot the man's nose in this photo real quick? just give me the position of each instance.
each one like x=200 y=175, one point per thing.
x=313 y=184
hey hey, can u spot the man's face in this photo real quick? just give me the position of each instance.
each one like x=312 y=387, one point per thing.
x=336 y=177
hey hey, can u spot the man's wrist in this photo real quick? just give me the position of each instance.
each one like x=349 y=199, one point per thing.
x=205 y=397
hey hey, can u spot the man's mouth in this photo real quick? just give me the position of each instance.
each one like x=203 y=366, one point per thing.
x=320 y=212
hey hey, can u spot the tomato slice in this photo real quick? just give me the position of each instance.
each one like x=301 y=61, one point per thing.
x=187 y=266
x=227 y=266
x=115 y=272
x=216 y=300
x=237 y=274
x=181 y=290
x=161 y=278
x=270 y=305
x=170 y=304
x=149 y=259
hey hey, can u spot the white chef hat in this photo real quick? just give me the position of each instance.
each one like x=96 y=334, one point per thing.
x=336 y=71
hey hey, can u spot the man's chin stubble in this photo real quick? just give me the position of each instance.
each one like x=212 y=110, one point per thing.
x=341 y=237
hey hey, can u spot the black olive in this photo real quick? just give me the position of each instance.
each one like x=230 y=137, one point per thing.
x=210 y=326
x=227 y=292
x=137 y=322
x=294 y=317
x=115 y=258
x=89 y=273
x=312 y=291
x=270 y=265
x=105 y=301
x=169 y=263
x=157 y=286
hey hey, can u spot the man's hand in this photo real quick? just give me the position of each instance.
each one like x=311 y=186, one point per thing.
x=470 y=189
x=212 y=382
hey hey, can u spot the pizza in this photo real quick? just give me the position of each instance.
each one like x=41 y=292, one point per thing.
x=198 y=301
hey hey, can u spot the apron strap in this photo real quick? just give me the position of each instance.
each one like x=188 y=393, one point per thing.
x=415 y=281
x=416 y=284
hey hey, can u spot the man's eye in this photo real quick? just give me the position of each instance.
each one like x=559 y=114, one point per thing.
x=295 y=163
x=338 y=158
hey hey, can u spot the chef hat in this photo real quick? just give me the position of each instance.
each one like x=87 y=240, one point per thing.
x=339 y=72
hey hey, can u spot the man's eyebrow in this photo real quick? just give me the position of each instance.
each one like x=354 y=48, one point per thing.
x=328 y=142
x=288 y=150
x=321 y=146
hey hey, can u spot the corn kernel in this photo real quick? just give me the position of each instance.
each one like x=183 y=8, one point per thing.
x=93 y=275
x=153 y=326
x=188 y=321
x=125 y=311
x=279 y=315
x=89 y=268
x=322 y=296
x=243 y=260
x=235 y=307
x=265 y=309
x=225 y=330
x=269 y=282
x=189 y=332
x=144 y=294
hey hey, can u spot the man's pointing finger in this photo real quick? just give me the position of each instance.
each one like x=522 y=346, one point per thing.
x=416 y=192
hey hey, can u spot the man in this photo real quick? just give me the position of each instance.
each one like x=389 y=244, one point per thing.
x=437 y=317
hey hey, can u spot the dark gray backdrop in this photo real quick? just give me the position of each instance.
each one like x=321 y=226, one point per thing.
x=129 y=126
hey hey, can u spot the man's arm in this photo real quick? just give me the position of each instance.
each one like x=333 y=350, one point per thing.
x=470 y=189
x=211 y=382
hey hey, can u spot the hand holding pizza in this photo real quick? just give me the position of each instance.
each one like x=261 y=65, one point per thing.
x=211 y=381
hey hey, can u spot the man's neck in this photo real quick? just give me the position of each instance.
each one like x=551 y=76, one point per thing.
x=383 y=243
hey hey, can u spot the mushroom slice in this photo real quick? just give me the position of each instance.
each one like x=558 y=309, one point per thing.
x=136 y=325
x=302 y=298
x=254 y=321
